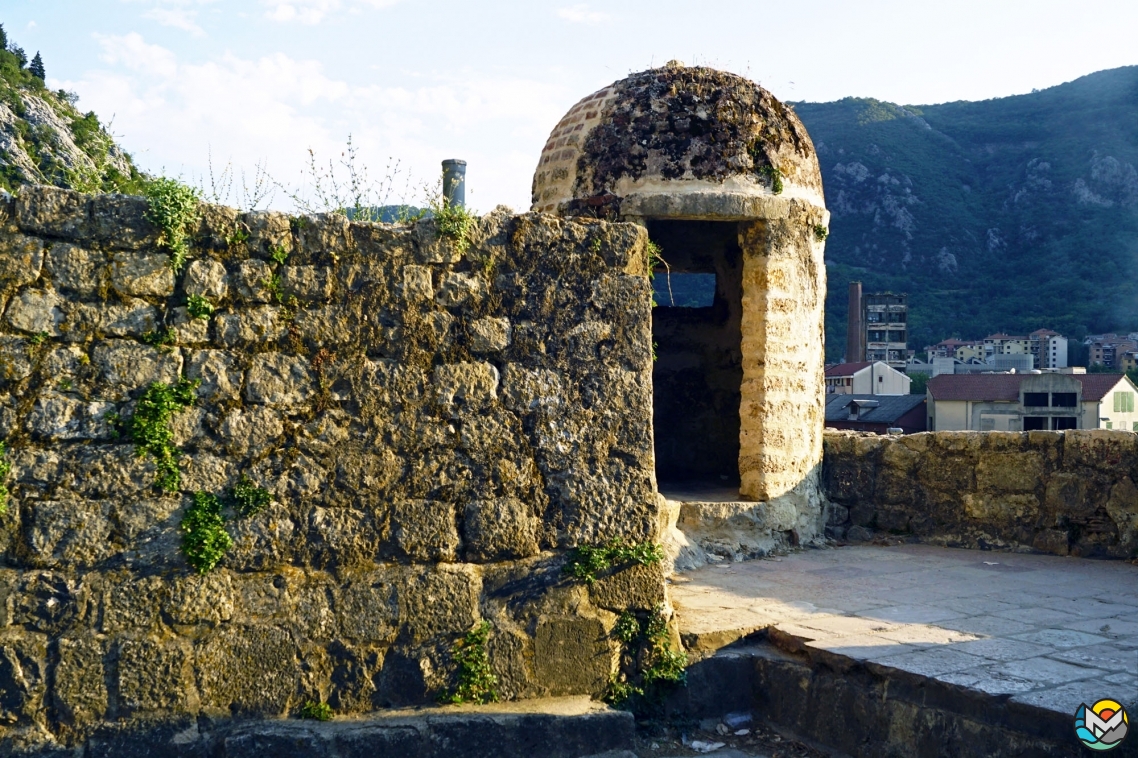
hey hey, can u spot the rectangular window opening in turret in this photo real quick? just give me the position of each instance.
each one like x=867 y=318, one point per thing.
x=698 y=371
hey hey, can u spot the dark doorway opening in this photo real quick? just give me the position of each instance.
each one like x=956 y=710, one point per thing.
x=698 y=372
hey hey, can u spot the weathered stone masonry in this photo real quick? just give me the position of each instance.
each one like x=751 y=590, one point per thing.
x=1068 y=493
x=435 y=429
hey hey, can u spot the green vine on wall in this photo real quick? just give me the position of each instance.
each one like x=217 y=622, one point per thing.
x=204 y=539
x=149 y=428
x=586 y=561
x=248 y=499
x=774 y=175
x=476 y=681
x=651 y=666
x=173 y=208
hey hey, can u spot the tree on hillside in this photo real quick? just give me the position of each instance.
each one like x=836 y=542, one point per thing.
x=3 y=38
x=36 y=67
x=21 y=56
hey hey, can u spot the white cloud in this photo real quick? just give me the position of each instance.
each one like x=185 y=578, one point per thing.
x=179 y=18
x=582 y=14
x=171 y=113
x=31 y=24
x=315 y=11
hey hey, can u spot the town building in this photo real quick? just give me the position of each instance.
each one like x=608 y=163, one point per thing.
x=1106 y=350
x=1024 y=402
x=1049 y=348
x=886 y=319
x=877 y=413
x=1006 y=344
x=866 y=378
x=1128 y=361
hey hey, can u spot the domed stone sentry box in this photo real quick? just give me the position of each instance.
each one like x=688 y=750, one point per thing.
x=726 y=180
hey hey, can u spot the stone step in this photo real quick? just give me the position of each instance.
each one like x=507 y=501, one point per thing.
x=570 y=727
x=869 y=710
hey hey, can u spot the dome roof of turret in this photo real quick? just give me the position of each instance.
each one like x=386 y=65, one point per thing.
x=700 y=142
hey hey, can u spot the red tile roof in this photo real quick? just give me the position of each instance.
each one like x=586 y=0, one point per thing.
x=996 y=387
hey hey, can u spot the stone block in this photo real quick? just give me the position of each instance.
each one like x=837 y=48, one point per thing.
x=859 y=534
x=21 y=258
x=188 y=330
x=525 y=389
x=251 y=281
x=837 y=515
x=308 y=282
x=155 y=674
x=572 y=655
x=633 y=588
x=425 y=530
x=432 y=248
x=197 y=599
x=15 y=359
x=47 y=601
x=999 y=510
x=457 y=289
x=70 y=534
x=35 y=466
x=437 y=601
x=367 y=608
x=417 y=284
x=250 y=431
x=207 y=278
x=53 y=212
x=206 y=472
x=321 y=236
x=249 y=327
x=221 y=379
x=119 y=221
x=248 y=670
x=23 y=677
x=36 y=312
x=470 y=384
x=1054 y=541
x=279 y=380
x=142 y=274
x=126 y=366
x=106 y=471
x=79 y=691
x=1009 y=472
x=131 y=318
x=500 y=529
x=278 y=740
x=147 y=530
x=61 y=417
x=268 y=230
x=217 y=227
x=489 y=335
x=132 y=603
x=74 y=268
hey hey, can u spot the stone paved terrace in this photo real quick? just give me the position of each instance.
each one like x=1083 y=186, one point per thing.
x=1023 y=630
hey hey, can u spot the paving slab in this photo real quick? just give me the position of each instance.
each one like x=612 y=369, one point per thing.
x=1040 y=629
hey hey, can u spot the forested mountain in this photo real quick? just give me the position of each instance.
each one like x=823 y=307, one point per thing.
x=44 y=139
x=1002 y=215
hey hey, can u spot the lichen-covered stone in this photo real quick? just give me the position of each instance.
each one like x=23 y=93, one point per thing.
x=471 y=384
x=307 y=282
x=489 y=335
x=35 y=312
x=61 y=417
x=251 y=281
x=79 y=694
x=220 y=377
x=53 y=212
x=500 y=529
x=21 y=258
x=249 y=327
x=207 y=278
x=142 y=275
x=277 y=379
x=425 y=531
x=23 y=677
x=154 y=674
x=248 y=670
x=247 y=432
x=572 y=655
x=127 y=367
x=74 y=268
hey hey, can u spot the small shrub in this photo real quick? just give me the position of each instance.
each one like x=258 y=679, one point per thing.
x=452 y=222
x=38 y=339
x=476 y=681
x=627 y=628
x=160 y=338
x=238 y=237
x=248 y=499
x=279 y=254
x=204 y=539
x=149 y=428
x=173 y=208
x=619 y=691
x=586 y=562
x=316 y=711
x=821 y=232
x=774 y=175
x=5 y=470
x=199 y=307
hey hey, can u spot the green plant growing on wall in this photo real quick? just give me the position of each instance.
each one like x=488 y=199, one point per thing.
x=149 y=428
x=653 y=667
x=821 y=232
x=476 y=682
x=199 y=307
x=173 y=208
x=248 y=499
x=452 y=222
x=586 y=562
x=238 y=237
x=160 y=338
x=279 y=254
x=5 y=470
x=316 y=711
x=773 y=174
x=39 y=338
x=204 y=539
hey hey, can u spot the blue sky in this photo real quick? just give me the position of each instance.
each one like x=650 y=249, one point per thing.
x=250 y=81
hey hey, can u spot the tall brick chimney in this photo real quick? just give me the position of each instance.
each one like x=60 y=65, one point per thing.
x=855 y=330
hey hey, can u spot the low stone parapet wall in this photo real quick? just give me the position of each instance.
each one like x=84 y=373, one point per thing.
x=1066 y=493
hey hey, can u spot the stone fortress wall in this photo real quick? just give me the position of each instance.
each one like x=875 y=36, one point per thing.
x=435 y=428
x=1067 y=493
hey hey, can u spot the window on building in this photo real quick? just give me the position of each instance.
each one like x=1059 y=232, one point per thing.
x=683 y=290
x=1035 y=399
x=1123 y=402
x=1064 y=422
x=1136 y=426
x=1064 y=399
x=1109 y=424
x=1034 y=423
